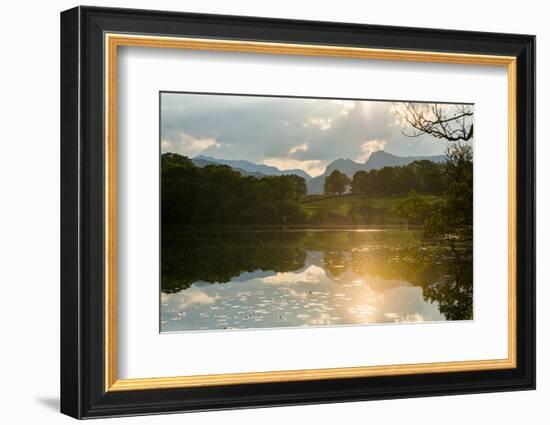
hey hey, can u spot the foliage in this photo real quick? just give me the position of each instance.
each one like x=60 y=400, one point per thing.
x=216 y=194
x=452 y=218
x=414 y=209
x=354 y=209
x=337 y=182
x=217 y=255
x=422 y=176
x=454 y=123
x=436 y=195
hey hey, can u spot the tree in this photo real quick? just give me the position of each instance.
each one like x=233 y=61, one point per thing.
x=385 y=179
x=337 y=182
x=218 y=194
x=414 y=209
x=366 y=183
x=179 y=183
x=358 y=183
x=459 y=196
x=455 y=216
x=453 y=123
x=449 y=122
x=403 y=181
x=459 y=162
x=430 y=176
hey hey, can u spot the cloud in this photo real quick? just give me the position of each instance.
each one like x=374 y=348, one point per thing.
x=324 y=124
x=284 y=132
x=369 y=147
x=346 y=106
x=298 y=148
x=312 y=167
x=193 y=296
x=313 y=274
x=166 y=146
x=189 y=145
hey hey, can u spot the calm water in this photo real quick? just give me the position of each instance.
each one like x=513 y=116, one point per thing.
x=254 y=278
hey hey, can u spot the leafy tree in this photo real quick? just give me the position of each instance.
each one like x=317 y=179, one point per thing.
x=422 y=176
x=387 y=176
x=337 y=182
x=459 y=164
x=179 y=183
x=404 y=180
x=453 y=216
x=414 y=209
x=430 y=176
x=360 y=183
x=217 y=194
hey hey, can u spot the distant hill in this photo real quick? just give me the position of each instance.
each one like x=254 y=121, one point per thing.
x=346 y=166
x=250 y=167
x=201 y=162
x=376 y=161
x=381 y=159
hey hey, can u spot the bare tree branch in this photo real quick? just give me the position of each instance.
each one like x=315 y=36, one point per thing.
x=449 y=122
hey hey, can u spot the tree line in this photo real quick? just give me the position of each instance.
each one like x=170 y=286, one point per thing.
x=217 y=194
x=422 y=176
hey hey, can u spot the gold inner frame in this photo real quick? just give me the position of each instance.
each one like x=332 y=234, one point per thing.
x=113 y=41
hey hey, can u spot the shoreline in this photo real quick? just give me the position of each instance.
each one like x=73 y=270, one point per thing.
x=297 y=227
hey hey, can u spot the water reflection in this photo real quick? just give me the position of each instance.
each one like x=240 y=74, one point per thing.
x=236 y=279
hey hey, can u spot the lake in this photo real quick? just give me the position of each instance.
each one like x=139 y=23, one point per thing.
x=243 y=278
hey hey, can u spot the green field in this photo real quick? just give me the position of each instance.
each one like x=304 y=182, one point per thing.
x=356 y=209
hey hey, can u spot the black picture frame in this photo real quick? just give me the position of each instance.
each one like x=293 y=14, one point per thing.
x=83 y=392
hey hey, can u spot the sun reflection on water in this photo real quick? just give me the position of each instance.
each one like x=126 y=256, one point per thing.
x=310 y=296
x=233 y=279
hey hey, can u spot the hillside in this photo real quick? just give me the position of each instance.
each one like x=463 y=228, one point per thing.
x=348 y=209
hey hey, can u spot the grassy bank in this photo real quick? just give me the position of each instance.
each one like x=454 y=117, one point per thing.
x=356 y=209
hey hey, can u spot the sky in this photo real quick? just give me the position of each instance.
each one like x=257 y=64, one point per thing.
x=285 y=132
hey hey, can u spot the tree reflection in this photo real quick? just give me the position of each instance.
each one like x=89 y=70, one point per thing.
x=217 y=256
x=443 y=270
x=453 y=290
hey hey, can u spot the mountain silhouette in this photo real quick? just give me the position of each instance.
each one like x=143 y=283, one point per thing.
x=249 y=167
x=201 y=162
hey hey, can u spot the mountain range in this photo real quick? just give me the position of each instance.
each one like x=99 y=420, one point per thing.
x=201 y=161
x=250 y=167
x=376 y=161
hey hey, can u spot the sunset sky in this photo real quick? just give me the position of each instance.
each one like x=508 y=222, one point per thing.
x=285 y=132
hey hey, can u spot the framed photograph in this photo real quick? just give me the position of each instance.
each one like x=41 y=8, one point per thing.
x=261 y=212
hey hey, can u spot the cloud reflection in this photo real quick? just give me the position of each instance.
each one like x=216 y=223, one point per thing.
x=307 y=297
